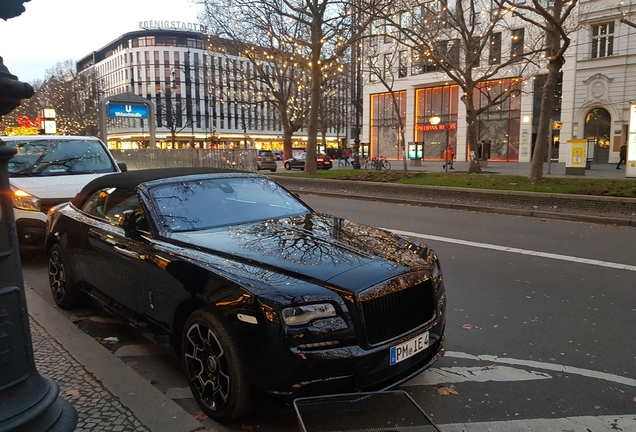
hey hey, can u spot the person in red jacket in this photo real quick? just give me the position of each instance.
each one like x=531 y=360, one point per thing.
x=347 y=155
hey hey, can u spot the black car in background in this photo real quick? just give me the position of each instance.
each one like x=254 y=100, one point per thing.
x=323 y=161
x=260 y=294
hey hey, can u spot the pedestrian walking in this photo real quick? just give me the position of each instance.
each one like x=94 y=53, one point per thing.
x=339 y=156
x=448 y=158
x=623 y=156
x=347 y=155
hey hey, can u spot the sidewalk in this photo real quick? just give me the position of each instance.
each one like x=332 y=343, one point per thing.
x=601 y=171
x=108 y=395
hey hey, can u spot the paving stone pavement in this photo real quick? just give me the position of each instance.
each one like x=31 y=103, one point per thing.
x=97 y=408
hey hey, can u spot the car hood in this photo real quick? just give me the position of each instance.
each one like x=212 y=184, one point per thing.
x=318 y=247
x=65 y=186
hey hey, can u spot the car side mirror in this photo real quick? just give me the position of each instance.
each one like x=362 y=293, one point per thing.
x=122 y=166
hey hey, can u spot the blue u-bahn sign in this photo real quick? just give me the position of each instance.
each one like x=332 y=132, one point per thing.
x=128 y=111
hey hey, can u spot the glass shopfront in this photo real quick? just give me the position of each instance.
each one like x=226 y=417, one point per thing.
x=385 y=134
x=436 y=120
x=500 y=124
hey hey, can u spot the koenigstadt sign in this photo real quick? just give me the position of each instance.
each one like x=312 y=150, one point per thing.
x=172 y=25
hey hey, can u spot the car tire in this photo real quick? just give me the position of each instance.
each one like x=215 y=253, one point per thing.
x=215 y=368
x=273 y=170
x=287 y=166
x=65 y=290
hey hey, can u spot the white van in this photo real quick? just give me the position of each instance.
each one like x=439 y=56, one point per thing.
x=48 y=170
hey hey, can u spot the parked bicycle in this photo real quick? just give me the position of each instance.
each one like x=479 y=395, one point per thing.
x=377 y=163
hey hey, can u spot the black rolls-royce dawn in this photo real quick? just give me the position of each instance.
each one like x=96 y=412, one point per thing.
x=260 y=294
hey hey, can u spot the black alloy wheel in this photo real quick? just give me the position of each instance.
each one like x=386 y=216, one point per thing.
x=214 y=367
x=65 y=291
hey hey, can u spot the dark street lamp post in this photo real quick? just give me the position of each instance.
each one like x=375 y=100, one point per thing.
x=28 y=401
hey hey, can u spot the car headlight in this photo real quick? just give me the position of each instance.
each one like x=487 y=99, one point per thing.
x=300 y=315
x=25 y=201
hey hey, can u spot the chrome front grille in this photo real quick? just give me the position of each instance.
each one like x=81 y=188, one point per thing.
x=391 y=312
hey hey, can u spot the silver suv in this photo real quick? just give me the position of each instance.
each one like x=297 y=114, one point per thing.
x=49 y=170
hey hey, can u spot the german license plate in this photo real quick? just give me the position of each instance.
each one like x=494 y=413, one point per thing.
x=408 y=348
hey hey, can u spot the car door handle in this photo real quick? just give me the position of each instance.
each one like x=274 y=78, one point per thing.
x=126 y=252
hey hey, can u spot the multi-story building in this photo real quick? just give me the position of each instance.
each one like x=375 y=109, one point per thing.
x=199 y=88
x=592 y=101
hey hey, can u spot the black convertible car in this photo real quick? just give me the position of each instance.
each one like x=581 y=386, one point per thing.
x=259 y=294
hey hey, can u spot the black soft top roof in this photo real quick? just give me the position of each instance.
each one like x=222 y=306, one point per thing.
x=131 y=179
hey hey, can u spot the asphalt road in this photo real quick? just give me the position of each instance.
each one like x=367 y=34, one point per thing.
x=541 y=322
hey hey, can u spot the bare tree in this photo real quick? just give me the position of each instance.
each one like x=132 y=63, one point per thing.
x=551 y=17
x=171 y=111
x=463 y=39
x=61 y=90
x=312 y=34
x=272 y=80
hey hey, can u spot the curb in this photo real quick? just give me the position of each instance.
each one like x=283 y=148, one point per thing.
x=154 y=409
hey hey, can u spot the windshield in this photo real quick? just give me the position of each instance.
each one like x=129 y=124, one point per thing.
x=210 y=203
x=59 y=157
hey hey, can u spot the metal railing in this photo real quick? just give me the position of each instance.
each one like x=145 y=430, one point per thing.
x=136 y=159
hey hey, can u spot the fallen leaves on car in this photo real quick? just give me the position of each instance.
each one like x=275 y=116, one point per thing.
x=72 y=393
x=75 y=318
x=200 y=416
x=635 y=399
x=247 y=427
x=445 y=390
x=491 y=367
x=467 y=326
x=107 y=341
x=131 y=363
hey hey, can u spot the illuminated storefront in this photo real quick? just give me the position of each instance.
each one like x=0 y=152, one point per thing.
x=436 y=120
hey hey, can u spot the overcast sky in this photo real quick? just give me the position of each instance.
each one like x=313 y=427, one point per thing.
x=51 y=31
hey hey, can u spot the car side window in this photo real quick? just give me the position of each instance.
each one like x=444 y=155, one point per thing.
x=110 y=203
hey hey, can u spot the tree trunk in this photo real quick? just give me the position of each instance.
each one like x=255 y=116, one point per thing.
x=545 y=119
x=404 y=149
x=316 y=93
x=471 y=122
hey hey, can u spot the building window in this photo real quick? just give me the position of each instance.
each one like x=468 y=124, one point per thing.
x=516 y=45
x=603 y=40
x=403 y=68
x=373 y=64
x=387 y=68
x=384 y=124
x=500 y=123
x=476 y=12
x=494 y=56
x=473 y=55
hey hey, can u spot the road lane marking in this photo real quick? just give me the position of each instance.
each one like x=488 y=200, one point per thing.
x=545 y=366
x=517 y=250
x=445 y=375
x=625 y=423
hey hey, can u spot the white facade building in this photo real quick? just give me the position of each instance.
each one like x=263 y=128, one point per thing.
x=598 y=83
x=198 y=87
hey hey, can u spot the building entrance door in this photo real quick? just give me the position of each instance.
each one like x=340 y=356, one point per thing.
x=598 y=122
